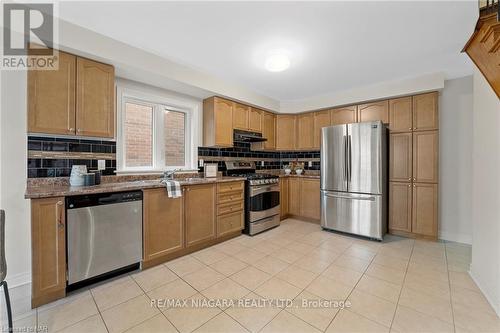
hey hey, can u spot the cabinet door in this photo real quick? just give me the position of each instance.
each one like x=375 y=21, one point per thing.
x=95 y=99
x=400 y=114
x=283 y=197
x=400 y=206
x=425 y=112
x=48 y=250
x=285 y=132
x=269 y=129
x=400 y=157
x=305 y=131
x=163 y=224
x=425 y=209
x=199 y=212
x=223 y=117
x=374 y=111
x=51 y=98
x=321 y=119
x=294 y=196
x=344 y=115
x=310 y=198
x=240 y=116
x=425 y=156
x=255 y=120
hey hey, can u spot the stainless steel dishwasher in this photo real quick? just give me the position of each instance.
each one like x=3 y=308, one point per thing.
x=104 y=235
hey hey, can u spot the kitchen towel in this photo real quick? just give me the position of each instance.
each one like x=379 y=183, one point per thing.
x=173 y=188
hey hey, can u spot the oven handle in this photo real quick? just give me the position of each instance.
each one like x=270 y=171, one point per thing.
x=254 y=190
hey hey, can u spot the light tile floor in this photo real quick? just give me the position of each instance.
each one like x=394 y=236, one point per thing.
x=400 y=285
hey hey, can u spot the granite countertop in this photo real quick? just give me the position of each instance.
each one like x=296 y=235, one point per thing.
x=313 y=176
x=59 y=190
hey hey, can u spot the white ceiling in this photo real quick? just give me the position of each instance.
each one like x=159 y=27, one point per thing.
x=334 y=45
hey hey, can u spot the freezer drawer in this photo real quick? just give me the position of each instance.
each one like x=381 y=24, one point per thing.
x=360 y=214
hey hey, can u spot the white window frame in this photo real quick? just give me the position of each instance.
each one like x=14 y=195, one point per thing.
x=161 y=101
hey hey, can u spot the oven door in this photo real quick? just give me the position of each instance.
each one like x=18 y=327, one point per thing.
x=264 y=201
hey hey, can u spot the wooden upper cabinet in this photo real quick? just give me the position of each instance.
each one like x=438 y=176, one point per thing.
x=240 y=116
x=400 y=206
x=305 y=131
x=321 y=119
x=95 y=99
x=48 y=250
x=163 y=224
x=269 y=130
x=374 y=111
x=217 y=122
x=400 y=159
x=400 y=114
x=425 y=112
x=51 y=98
x=286 y=132
x=310 y=198
x=344 y=115
x=294 y=196
x=425 y=209
x=255 y=120
x=425 y=156
x=199 y=212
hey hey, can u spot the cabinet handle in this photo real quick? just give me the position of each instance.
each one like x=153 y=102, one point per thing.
x=409 y=128
x=71 y=129
x=409 y=185
x=59 y=211
x=414 y=185
x=409 y=179
x=414 y=128
x=414 y=179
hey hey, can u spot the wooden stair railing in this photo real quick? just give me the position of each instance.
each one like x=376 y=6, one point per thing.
x=483 y=46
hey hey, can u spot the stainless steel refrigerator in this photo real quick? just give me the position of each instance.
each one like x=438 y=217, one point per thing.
x=354 y=179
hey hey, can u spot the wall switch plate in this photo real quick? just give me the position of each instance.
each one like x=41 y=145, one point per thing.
x=310 y=164
x=261 y=163
x=101 y=164
x=201 y=162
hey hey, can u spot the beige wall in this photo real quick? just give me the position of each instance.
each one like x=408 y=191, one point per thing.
x=485 y=267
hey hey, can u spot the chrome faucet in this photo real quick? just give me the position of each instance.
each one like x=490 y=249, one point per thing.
x=169 y=174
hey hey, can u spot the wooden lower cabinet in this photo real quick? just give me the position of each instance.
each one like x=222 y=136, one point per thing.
x=294 y=196
x=413 y=209
x=310 y=198
x=48 y=250
x=163 y=231
x=400 y=207
x=425 y=209
x=199 y=212
x=304 y=197
x=230 y=208
x=230 y=223
x=283 y=197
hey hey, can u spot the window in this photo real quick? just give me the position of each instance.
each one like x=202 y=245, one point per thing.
x=153 y=133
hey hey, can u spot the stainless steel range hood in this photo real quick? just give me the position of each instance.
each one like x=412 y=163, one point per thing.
x=244 y=136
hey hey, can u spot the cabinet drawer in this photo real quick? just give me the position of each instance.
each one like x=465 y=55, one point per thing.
x=230 y=187
x=223 y=198
x=229 y=223
x=230 y=208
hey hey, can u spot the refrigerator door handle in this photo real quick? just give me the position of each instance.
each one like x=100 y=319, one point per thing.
x=344 y=144
x=349 y=159
x=371 y=198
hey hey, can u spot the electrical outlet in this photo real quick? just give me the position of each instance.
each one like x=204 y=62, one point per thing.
x=201 y=162
x=101 y=164
x=261 y=163
x=310 y=164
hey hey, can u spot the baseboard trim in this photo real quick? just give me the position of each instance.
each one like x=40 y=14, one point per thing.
x=495 y=307
x=455 y=237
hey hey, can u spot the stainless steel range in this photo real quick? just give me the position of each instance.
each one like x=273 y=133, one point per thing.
x=262 y=197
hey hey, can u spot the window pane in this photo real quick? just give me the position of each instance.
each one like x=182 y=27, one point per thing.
x=174 y=138
x=138 y=131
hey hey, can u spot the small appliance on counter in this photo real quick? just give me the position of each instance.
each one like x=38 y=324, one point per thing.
x=76 y=178
x=211 y=170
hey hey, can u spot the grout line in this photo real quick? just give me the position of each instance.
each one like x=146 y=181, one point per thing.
x=99 y=310
x=449 y=287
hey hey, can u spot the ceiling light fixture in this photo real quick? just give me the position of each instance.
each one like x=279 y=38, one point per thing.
x=277 y=62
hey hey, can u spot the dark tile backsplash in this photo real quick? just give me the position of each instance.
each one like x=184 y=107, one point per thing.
x=243 y=150
x=38 y=167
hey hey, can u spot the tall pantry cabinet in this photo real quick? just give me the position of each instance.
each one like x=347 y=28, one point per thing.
x=413 y=165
